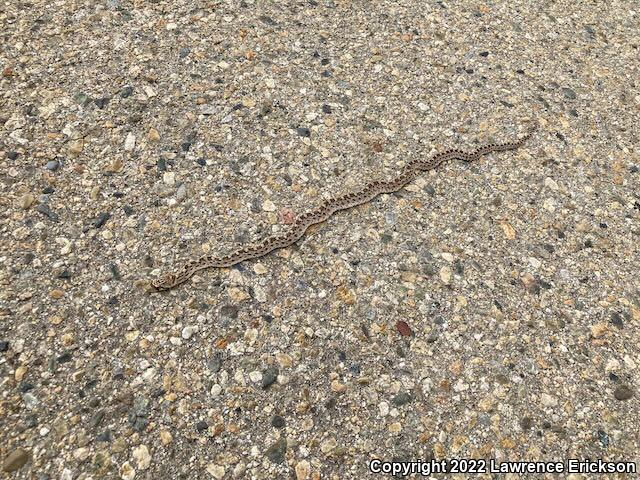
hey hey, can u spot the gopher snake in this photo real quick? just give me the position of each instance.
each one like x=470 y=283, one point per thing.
x=328 y=208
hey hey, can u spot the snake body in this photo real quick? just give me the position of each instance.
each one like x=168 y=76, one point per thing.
x=370 y=191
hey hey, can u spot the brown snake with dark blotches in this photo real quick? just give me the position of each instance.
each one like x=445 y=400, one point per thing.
x=326 y=210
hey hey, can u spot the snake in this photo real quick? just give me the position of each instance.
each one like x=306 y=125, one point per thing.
x=370 y=191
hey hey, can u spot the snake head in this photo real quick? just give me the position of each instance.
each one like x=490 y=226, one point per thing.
x=164 y=282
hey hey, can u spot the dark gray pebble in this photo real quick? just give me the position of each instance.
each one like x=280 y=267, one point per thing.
x=303 y=132
x=101 y=102
x=31 y=421
x=139 y=424
x=269 y=376
x=617 y=320
x=53 y=165
x=430 y=190
x=64 y=357
x=214 y=364
x=82 y=98
x=140 y=407
x=623 y=392
x=96 y=419
x=277 y=421
x=604 y=438
x=158 y=392
x=104 y=436
x=63 y=274
x=526 y=423
x=201 y=426
x=267 y=20
x=229 y=312
x=402 y=399
x=101 y=219
x=126 y=92
x=277 y=451
x=115 y=273
x=46 y=211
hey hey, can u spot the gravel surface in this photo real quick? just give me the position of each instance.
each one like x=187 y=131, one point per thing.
x=490 y=310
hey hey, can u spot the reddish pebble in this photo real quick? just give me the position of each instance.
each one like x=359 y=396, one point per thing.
x=404 y=328
x=287 y=216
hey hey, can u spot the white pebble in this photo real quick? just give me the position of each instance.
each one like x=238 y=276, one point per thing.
x=142 y=456
x=551 y=184
x=216 y=471
x=188 y=331
x=251 y=335
x=260 y=294
x=66 y=245
x=169 y=178
x=548 y=400
x=239 y=470
x=328 y=445
x=268 y=206
x=127 y=472
x=629 y=362
x=130 y=142
x=535 y=263
x=259 y=269
x=149 y=374
x=66 y=474
x=612 y=365
x=445 y=275
x=549 y=205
